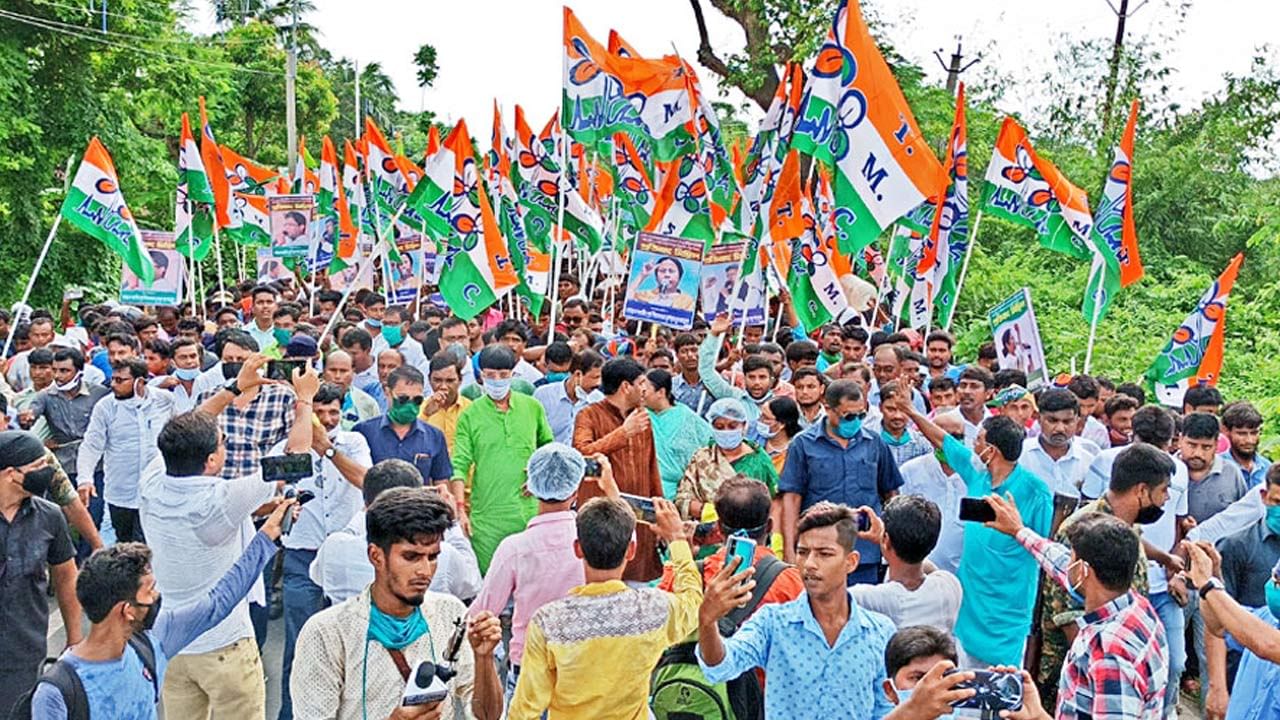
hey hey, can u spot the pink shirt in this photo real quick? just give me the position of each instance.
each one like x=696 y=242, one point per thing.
x=535 y=566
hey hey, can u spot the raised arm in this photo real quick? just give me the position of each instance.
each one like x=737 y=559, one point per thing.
x=246 y=380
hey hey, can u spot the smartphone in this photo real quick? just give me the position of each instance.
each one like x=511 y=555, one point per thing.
x=592 y=468
x=642 y=507
x=73 y=293
x=976 y=510
x=291 y=467
x=283 y=369
x=743 y=548
x=864 y=522
x=996 y=691
x=706 y=533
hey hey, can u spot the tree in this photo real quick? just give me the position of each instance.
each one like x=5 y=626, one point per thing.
x=425 y=59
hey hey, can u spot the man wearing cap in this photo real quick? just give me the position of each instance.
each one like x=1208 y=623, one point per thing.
x=538 y=564
x=1016 y=403
x=33 y=535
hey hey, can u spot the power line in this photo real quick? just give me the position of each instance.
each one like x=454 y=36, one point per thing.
x=42 y=24
x=142 y=38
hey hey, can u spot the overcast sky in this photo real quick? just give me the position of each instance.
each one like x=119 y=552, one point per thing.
x=510 y=49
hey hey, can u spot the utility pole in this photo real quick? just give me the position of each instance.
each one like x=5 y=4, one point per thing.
x=1122 y=14
x=359 y=121
x=954 y=68
x=290 y=91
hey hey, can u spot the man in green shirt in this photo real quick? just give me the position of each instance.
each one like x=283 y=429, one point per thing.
x=496 y=435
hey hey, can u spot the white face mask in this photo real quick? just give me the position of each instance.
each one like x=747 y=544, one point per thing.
x=70 y=384
x=497 y=388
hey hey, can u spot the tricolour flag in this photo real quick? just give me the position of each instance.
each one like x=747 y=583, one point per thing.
x=1193 y=356
x=942 y=254
x=477 y=266
x=193 y=201
x=1026 y=189
x=682 y=207
x=510 y=216
x=305 y=182
x=211 y=154
x=255 y=219
x=634 y=193
x=332 y=202
x=386 y=182
x=1114 y=239
x=96 y=205
x=855 y=118
x=435 y=196
x=244 y=175
x=348 y=249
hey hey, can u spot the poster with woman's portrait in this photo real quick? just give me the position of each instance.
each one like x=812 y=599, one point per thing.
x=663 y=283
x=1017 y=338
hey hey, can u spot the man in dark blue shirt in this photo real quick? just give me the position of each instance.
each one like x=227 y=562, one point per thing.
x=840 y=461
x=400 y=434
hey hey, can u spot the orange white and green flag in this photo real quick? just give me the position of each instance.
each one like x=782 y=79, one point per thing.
x=96 y=205
x=193 y=201
x=386 y=182
x=255 y=219
x=1114 y=238
x=331 y=201
x=855 y=119
x=683 y=207
x=211 y=154
x=1193 y=356
x=1028 y=190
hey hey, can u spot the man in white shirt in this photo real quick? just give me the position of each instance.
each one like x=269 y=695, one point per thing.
x=180 y=384
x=931 y=477
x=342 y=568
x=262 y=326
x=393 y=335
x=564 y=398
x=122 y=434
x=198 y=525
x=339 y=459
x=908 y=529
x=973 y=390
x=515 y=335
x=1056 y=455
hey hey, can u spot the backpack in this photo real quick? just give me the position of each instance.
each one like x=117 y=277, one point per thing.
x=63 y=676
x=682 y=692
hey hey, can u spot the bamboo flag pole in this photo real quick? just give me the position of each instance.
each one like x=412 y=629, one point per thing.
x=1097 y=307
x=964 y=269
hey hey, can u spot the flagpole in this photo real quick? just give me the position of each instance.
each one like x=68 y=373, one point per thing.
x=189 y=267
x=964 y=268
x=311 y=275
x=346 y=292
x=31 y=281
x=239 y=262
x=1097 y=306
x=217 y=248
x=560 y=201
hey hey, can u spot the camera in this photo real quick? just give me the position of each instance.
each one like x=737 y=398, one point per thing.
x=995 y=691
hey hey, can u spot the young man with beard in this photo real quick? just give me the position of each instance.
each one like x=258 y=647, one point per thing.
x=938 y=347
x=1055 y=454
x=353 y=659
x=1243 y=423
x=810 y=385
x=444 y=406
x=758 y=374
x=973 y=390
x=122 y=434
x=1117 y=414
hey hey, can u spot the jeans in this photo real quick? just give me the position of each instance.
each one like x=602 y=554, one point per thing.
x=127 y=524
x=302 y=599
x=1195 y=622
x=1174 y=625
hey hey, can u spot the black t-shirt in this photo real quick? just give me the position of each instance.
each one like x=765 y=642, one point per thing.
x=36 y=538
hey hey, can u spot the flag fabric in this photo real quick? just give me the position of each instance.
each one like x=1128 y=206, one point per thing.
x=1114 y=238
x=942 y=253
x=244 y=175
x=386 y=183
x=682 y=208
x=816 y=294
x=1026 y=189
x=332 y=203
x=477 y=266
x=786 y=219
x=580 y=219
x=855 y=118
x=536 y=179
x=620 y=47
x=211 y=154
x=96 y=205
x=1193 y=356
x=532 y=286
x=348 y=249
x=634 y=195
x=193 y=201
x=255 y=219
x=305 y=182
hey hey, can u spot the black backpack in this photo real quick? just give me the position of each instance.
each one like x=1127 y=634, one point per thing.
x=63 y=676
x=679 y=689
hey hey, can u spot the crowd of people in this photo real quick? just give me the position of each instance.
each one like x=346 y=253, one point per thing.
x=611 y=520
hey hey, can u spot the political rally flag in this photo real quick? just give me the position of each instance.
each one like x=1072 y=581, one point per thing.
x=1114 y=238
x=510 y=214
x=1193 y=356
x=634 y=193
x=386 y=183
x=255 y=219
x=477 y=266
x=855 y=118
x=942 y=254
x=193 y=201
x=682 y=208
x=211 y=154
x=1028 y=190
x=244 y=175
x=96 y=205
x=305 y=182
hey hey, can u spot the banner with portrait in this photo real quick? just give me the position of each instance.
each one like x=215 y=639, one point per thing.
x=166 y=288
x=270 y=267
x=1017 y=338
x=400 y=280
x=291 y=220
x=721 y=283
x=663 y=284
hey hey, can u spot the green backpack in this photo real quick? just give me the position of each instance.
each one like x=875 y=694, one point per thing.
x=682 y=692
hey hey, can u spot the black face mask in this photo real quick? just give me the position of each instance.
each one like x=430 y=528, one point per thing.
x=37 y=482
x=153 y=611
x=1149 y=514
x=231 y=370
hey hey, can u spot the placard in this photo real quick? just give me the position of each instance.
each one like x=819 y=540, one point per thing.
x=291 y=220
x=663 y=283
x=270 y=267
x=166 y=288
x=723 y=288
x=1017 y=338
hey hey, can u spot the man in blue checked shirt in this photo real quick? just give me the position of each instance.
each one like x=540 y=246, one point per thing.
x=822 y=655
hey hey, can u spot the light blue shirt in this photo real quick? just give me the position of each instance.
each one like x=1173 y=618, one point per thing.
x=561 y=411
x=721 y=388
x=266 y=339
x=999 y=577
x=122 y=433
x=805 y=677
x=917 y=400
x=1255 y=477
x=1257 y=690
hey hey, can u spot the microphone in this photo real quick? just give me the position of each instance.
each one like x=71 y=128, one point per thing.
x=428 y=682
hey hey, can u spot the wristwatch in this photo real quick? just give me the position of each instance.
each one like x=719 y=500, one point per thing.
x=329 y=452
x=1213 y=584
x=232 y=387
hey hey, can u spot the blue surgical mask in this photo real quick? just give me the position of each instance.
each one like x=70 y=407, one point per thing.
x=187 y=374
x=849 y=429
x=554 y=377
x=373 y=322
x=727 y=439
x=496 y=388
x=763 y=430
x=1273 y=598
x=904 y=695
x=1273 y=521
x=895 y=442
x=1074 y=590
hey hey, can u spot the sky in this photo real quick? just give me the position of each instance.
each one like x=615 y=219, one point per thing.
x=510 y=49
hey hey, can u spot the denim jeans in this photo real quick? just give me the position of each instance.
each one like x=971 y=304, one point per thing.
x=1174 y=625
x=302 y=599
x=1195 y=621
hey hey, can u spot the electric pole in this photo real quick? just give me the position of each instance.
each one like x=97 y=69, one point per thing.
x=290 y=91
x=954 y=68
x=359 y=119
x=1122 y=14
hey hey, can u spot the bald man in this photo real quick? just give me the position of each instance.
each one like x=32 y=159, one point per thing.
x=931 y=477
x=357 y=405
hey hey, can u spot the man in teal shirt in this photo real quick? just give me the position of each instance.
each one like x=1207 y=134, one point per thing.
x=496 y=435
x=998 y=578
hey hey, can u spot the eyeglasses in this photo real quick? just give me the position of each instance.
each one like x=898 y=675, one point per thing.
x=406 y=400
x=851 y=417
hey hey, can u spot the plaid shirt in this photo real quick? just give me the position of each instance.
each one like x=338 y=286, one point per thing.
x=1118 y=665
x=251 y=432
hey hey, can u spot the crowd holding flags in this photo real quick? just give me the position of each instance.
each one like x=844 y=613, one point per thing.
x=636 y=147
